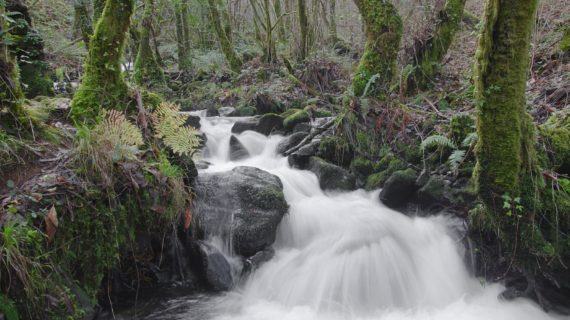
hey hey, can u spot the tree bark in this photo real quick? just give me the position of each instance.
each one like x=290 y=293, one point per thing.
x=232 y=58
x=147 y=70
x=83 y=21
x=304 y=28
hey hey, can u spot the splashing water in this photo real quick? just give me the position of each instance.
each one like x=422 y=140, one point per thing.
x=346 y=256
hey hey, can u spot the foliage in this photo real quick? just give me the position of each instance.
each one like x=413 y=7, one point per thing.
x=437 y=141
x=169 y=125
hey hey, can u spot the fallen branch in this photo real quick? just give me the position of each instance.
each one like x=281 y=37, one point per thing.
x=310 y=137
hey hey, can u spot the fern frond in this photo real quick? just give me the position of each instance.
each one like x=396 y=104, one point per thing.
x=370 y=82
x=437 y=141
x=455 y=159
x=169 y=126
x=470 y=139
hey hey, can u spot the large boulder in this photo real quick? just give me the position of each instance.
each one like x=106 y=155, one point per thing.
x=265 y=124
x=331 y=177
x=244 y=125
x=399 y=188
x=290 y=142
x=296 y=118
x=193 y=121
x=237 y=149
x=214 y=267
x=246 y=204
x=212 y=111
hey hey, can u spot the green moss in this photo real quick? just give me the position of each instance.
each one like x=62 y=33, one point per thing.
x=383 y=27
x=461 y=125
x=336 y=150
x=500 y=80
x=361 y=166
x=556 y=135
x=102 y=85
x=246 y=111
x=298 y=117
x=8 y=308
x=565 y=41
x=289 y=112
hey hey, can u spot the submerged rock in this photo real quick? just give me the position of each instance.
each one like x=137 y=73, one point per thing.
x=265 y=124
x=246 y=204
x=331 y=177
x=212 y=111
x=237 y=149
x=399 y=188
x=215 y=269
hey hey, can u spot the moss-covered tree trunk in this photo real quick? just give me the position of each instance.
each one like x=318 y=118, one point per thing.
x=232 y=58
x=428 y=53
x=279 y=19
x=147 y=70
x=304 y=29
x=83 y=21
x=182 y=36
x=383 y=27
x=102 y=85
x=505 y=149
x=98 y=6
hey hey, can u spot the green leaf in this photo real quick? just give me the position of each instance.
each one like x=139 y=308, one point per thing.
x=10 y=184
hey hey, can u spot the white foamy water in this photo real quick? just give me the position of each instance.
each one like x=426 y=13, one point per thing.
x=347 y=256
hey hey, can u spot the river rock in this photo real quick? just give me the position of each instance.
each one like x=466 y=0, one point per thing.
x=228 y=112
x=290 y=142
x=215 y=268
x=399 y=188
x=237 y=149
x=244 y=125
x=331 y=177
x=193 y=121
x=303 y=127
x=212 y=112
x=300 y=158
x=269 y=123
x=245 y=203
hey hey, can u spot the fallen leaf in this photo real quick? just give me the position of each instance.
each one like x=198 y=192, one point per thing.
x=51 y=223
x=187 y=219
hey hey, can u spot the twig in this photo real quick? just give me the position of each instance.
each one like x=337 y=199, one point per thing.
x=310 y=137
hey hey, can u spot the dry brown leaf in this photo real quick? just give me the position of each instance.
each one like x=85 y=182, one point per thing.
x=51 y=223
x=187 y=219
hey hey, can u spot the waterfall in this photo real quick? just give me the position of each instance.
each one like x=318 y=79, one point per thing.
x=344 y=255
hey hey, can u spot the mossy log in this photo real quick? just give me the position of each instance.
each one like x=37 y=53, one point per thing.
x=383 y=27
x=102 y=85
x=505 y=150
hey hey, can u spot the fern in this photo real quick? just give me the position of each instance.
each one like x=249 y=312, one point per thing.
x=437 y=141
x=470 y=139
x=370 y=82
x=169 y=126
x=455 y=159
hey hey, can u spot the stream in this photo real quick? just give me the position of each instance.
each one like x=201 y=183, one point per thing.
x=343 y=255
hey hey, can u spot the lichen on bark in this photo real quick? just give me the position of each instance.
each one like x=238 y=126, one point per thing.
x=383 y=27
x=102 y=85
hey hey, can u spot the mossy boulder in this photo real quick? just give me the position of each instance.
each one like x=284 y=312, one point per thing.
x=246 y=111
x=331 y=177
x=296 y=118
x=399 y=188
x=386 y=167
x=336 y=150
x=361 y=168
x=269 y=123
x=556 y=135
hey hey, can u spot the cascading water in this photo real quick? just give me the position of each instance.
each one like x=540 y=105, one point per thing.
x=346 y=256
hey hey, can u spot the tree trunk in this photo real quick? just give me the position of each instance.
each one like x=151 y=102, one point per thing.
x=102 y=85
x=333 y=36
x=98 y=6
x=428 y=54
x=234 y=61
x=505 y=151
x=147 y=70
x=184 y=59
x=304 y=28
x=279 y=19
x=383 y=28
x=83 y=21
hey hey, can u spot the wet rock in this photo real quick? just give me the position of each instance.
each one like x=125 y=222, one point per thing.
x=336 y=150
x=244 y=125
x=212 y=112
x=290 y=142
x=193 y=121
x=296 y=118
x=228 y=112
x=303 y=127
x=269 y=123
x=246 y=111
x=300 y=158
x=361 y=168
x=435 y=190
x=399 y=188
x=237 y=149
x=246 y=203
x=215 y=269
x=331 y=177
x=257 y=260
